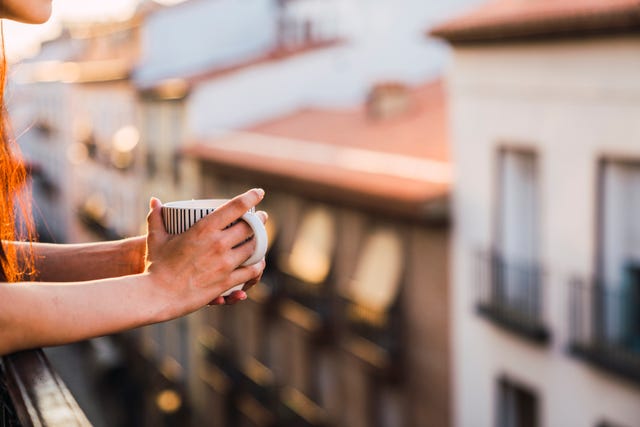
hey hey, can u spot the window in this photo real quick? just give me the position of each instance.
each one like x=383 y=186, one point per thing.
x=514 y=291
x=631 y=310
x=620 y=257
x=372 y=307
x=312 y=250
x=518 y=228
x=620 y=226
x=517 y=405
x=377 y=276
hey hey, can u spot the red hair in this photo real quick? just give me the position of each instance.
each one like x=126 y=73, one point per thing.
x=15 y=212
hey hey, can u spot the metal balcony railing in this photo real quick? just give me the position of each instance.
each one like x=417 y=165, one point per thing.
x=604 y=326
x=511 y=295
x=375 y=337
x=34 y=395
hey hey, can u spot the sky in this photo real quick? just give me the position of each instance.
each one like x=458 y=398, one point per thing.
x=23 y=40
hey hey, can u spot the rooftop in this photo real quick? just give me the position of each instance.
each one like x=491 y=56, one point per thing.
x=401 y=160
x=524 y=19
x=187 y=80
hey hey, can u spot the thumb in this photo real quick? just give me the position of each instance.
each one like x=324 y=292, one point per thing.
x=155 y=226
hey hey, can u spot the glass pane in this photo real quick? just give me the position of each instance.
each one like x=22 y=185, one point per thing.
x=310 y=258
x=519 y=206
x=377 y=276
x=621 y=210
x=518 y=407
x=519 y=232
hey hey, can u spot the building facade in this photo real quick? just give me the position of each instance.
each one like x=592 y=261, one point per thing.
x=545 y=138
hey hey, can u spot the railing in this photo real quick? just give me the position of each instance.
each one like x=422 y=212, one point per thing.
x=511 y=295
x=34 y=395
x=375 y=336
x=309 y=306
x=604 y=327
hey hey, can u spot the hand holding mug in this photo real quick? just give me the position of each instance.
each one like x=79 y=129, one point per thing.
x=179 y=216
x=211 y=252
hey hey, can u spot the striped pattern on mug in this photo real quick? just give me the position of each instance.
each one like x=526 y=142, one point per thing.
x=179 y=220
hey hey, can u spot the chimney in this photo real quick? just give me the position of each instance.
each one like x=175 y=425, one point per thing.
x=387 y=100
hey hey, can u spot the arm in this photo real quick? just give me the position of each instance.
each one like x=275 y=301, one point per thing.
x=89 y=261
x=41 y=314
x=183 y=273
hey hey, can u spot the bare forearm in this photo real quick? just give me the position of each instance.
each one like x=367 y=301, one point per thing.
x=90 y=261
x=42 y=314
x=183 y=273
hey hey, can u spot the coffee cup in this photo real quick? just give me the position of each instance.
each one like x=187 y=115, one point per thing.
x=179 y=216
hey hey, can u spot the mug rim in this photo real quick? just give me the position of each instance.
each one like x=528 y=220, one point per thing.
x=195 y=204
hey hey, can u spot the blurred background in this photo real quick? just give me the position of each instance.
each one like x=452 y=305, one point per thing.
x=453 y=190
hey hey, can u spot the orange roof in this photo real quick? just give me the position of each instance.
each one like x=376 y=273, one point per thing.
x=513 y=19
x=421 y=131
x=399 y=164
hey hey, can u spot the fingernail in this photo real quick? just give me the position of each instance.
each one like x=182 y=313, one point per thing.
x=260 y=192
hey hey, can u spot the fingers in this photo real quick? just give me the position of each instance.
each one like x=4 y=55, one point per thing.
x=234 y=209
x=238 y=238
x=217 y=301
x=263 y=216
x=245 y=274
x=236 y=296
x=240 y=231
x=251 y=271
x=252 y=282
x=155 y=227
x=237 y=234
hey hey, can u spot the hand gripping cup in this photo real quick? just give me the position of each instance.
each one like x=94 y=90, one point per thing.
x=179 y=216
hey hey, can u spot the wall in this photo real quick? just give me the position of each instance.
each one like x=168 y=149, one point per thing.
x=573 y=102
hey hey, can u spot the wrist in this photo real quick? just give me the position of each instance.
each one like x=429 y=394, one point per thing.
x=135 y=251
x=161 y=304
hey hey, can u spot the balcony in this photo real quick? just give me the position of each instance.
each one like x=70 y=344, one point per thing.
x=308 y=306
x=297 y=410
x=252 y=396
x=256 y=400
x=511 y=295
x=604 y=327
x=375 y=337
x=33 y=394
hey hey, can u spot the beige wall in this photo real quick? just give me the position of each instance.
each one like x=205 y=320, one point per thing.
x=572 y=102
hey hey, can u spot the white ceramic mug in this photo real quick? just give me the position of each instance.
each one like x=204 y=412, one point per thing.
x=179 y=216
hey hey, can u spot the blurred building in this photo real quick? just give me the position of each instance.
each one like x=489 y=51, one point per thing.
x=75 y=113
x=350 y=326
x=545 y=98
x=224 y=93
x=102 y=111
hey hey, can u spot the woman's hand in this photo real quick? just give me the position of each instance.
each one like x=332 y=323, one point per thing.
x=194 y=268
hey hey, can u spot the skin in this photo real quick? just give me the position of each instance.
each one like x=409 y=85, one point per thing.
x=28 y=11
x=179 y=275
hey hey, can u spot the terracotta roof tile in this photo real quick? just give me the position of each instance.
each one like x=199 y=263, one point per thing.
x=401 y=160
x=509 y=19
x=421 y=131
